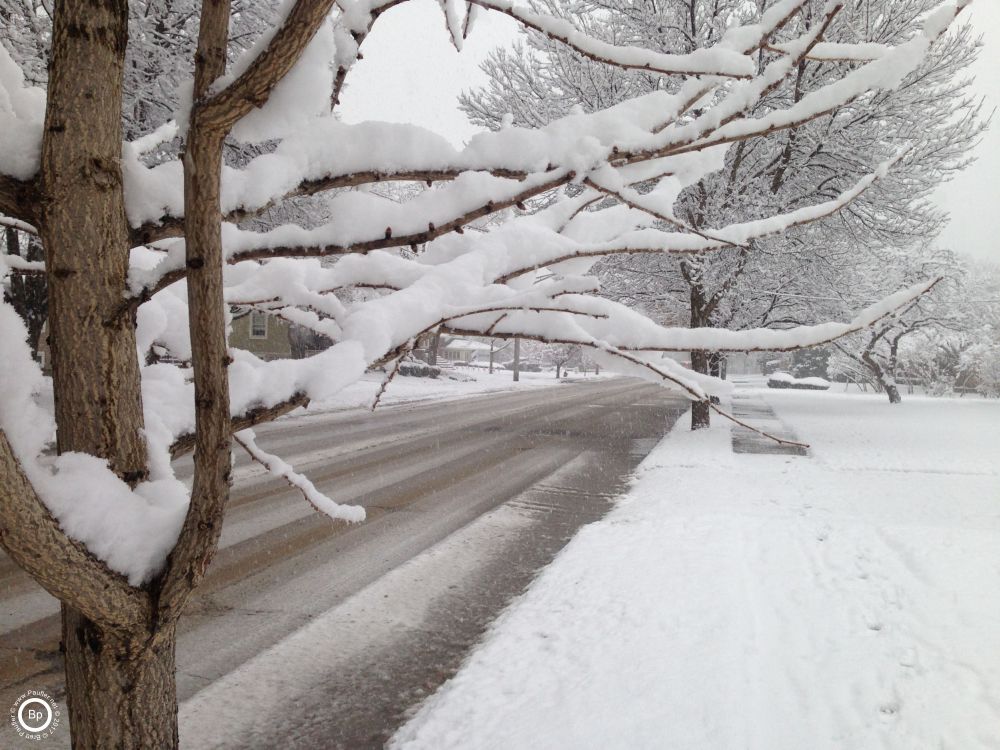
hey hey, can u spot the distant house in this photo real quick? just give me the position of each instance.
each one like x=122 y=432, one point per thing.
x=264 y=335
x=466 y=351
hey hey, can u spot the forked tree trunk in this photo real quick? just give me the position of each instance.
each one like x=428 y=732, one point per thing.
x=121 y=694
x=886 y=383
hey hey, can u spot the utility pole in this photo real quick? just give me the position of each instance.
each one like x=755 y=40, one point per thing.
x=517 y=358
x=432 y=355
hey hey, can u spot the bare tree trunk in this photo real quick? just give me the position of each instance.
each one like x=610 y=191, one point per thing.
x=517 y=358
x=121 y=694
x=892 y=391
x=700 y=410
x=717 y=369
x=886 y=383
x=893 y=366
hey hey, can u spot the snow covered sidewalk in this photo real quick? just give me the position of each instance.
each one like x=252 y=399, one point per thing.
x=848 y=600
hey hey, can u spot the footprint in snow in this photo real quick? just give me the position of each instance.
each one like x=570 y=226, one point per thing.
x=889 y=709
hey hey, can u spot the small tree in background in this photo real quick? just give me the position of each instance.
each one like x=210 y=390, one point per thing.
x=563 y=356
x=810 y=363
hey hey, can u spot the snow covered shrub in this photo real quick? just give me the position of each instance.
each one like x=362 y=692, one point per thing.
x=417 y=369
x=810 y=363
x=785 y=380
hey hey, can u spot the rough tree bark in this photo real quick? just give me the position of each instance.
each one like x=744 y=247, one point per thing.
x=85 y=234
x=119 y=641
x=120 y=692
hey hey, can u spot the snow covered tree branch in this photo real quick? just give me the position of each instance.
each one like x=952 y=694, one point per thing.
x=152 y=230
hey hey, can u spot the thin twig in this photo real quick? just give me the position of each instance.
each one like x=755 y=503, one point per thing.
x=393 y=371
x=775 y=438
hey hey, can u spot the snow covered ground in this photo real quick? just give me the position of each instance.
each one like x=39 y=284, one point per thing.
x=848 y=599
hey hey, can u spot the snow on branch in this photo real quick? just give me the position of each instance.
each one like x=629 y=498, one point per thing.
x=364 y=222
x=882 y=73
x=642 y=153
x=278 y=468
x=22 y=112
x=19 y=265
x=121 y=533
x=743 y=96
x=837 y=52
x=19 y=225
x=19 y=200
x=691 y=240
x=256 y=76
x=716 y=61
x=628 y=330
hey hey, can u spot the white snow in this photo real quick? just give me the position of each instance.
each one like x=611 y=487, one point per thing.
x=278 y=468
x=294 y=104
x=476 y=283
x=792 y=381
x=849 y=599
x=720 y=60
x=22 y=110
x=132 y=531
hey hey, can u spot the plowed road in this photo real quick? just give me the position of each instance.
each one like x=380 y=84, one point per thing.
x=504 y=479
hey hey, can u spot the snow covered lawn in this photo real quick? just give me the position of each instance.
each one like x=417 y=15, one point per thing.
x=849 y=599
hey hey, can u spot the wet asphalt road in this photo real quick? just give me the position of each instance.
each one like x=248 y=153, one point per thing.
x=308 y=634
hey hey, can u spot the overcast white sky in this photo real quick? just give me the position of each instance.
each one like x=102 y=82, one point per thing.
x=973 y=198
x=411 y=73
